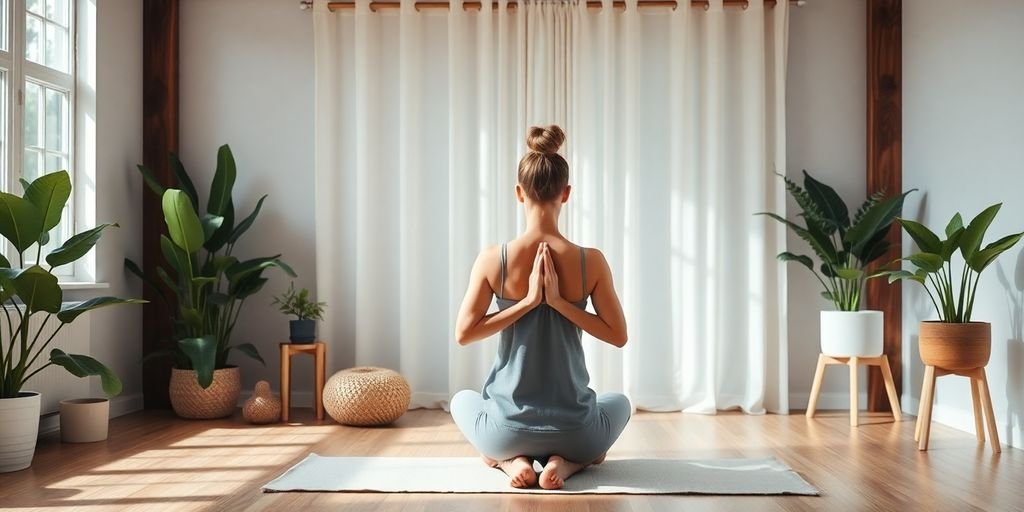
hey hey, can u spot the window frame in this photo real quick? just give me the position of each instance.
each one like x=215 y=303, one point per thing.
x=19 y=70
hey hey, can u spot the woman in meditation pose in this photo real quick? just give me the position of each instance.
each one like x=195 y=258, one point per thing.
x=536 y=403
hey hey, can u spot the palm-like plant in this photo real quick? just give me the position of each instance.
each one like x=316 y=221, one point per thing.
x=934 y=268
x=844 y=246
x=25 y=292
x=209 y=284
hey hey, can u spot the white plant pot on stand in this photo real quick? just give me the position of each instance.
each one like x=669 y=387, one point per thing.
x=853 y=338
x=19 y=428
x=851 y=333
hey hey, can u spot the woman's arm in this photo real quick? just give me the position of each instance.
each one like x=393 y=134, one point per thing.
x=609 y=324
x=473 y=323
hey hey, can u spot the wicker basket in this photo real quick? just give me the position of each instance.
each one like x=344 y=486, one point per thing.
x=366 y=396
x=262 y=407
x=219 y=400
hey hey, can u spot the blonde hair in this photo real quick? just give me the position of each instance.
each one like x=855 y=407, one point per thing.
x=543 y=173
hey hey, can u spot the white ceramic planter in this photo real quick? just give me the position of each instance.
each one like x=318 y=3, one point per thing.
x=84 y=420
x=19 y=428
x=851 y=333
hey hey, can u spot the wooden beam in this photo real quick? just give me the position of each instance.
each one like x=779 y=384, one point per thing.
x=159 y=136
x=885 y=172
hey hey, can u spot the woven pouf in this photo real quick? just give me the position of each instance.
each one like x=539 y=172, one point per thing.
x=366 y=396
x=262 y=407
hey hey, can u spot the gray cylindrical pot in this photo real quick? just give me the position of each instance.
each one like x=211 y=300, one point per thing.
x=84 y=420
x=302 y=331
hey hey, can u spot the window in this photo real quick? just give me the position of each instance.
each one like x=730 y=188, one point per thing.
x=37 y=101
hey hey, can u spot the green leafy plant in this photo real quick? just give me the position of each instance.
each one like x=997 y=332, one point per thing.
x=26 y=292
x=844 y=246
x=208 y=284
x=934 y=268
x=298 y=304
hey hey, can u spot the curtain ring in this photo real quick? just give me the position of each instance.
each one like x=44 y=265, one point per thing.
x=707 y=5
x=746 y=4
x=373 y=6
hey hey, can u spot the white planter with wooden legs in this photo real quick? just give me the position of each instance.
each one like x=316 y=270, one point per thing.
x=852 y=338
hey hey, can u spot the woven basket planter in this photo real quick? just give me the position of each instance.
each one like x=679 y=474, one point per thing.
x=262 y=407
x=955 y=346
x=366 y=396
x=219 y=400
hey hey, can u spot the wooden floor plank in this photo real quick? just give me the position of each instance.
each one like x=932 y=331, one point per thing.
x=155 y=461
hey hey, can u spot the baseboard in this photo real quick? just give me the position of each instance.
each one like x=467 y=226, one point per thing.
x=828 y=401
x=119 y=406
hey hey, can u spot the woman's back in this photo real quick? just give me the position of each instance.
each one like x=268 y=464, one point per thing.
x=539 y=379
x=520 y=258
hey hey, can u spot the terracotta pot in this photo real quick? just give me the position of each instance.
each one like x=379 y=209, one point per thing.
x=84 y=420
x=191 y=401
x=955 y=346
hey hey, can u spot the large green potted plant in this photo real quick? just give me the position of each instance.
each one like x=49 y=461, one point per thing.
x=209 y=286
x=845 y=247
x=29 y=291
x=955 y=341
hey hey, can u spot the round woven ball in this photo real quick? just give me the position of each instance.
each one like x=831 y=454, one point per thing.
x=365 y=396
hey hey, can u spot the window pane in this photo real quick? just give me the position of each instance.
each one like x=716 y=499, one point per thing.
x=57 y=10
x=55 y=116
x=3 y=124
x=33 y=93
x=33 y=35
x=56 y=47
x=35 y=6
x=30 y=169
x=54 y=163
x=3 y=25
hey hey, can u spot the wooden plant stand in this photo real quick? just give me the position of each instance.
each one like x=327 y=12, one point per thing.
x=319 y=352
x=881 y=361
x=982 y=405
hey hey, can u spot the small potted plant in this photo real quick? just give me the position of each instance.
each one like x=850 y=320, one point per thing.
x=34 y=299
x=955 y=341
x=845 y=248
x=306 y=312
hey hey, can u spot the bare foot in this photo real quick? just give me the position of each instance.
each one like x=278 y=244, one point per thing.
x=520 y=471
x=557 y=471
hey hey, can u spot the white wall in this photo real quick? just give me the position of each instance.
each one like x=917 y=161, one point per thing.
x=825 y=134
x=116 y=331
x=247 y=80
x=962 y=132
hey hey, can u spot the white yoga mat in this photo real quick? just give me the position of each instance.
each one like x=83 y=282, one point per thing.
x=469 y=475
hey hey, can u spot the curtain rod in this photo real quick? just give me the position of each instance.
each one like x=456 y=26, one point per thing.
x=512 y=4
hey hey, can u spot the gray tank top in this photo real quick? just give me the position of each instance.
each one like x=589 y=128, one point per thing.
x=539 y=380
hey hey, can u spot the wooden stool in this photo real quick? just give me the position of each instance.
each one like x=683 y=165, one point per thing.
x=319 y=350
x=982 y=405
x=881 y=361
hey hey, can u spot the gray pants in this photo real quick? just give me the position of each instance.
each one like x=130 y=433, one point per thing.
x=499 y=442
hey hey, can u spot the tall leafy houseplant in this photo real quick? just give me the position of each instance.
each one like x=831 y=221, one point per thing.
x=844 y=246
x=933 y=267
x=208 y=283
x=32 y=290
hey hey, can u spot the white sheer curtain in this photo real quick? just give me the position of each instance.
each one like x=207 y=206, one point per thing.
x=675 y=123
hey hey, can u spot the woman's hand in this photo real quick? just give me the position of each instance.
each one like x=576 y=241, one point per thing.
x=551 y=292
x=535 y=294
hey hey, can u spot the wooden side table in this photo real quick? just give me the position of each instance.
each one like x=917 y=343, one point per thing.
x=979 y=394
x=881 y=361
x=319 y=351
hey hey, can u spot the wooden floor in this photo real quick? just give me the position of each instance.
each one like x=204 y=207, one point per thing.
x=154 y=461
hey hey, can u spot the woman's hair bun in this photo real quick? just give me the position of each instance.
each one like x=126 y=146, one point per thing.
x=545 y=140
